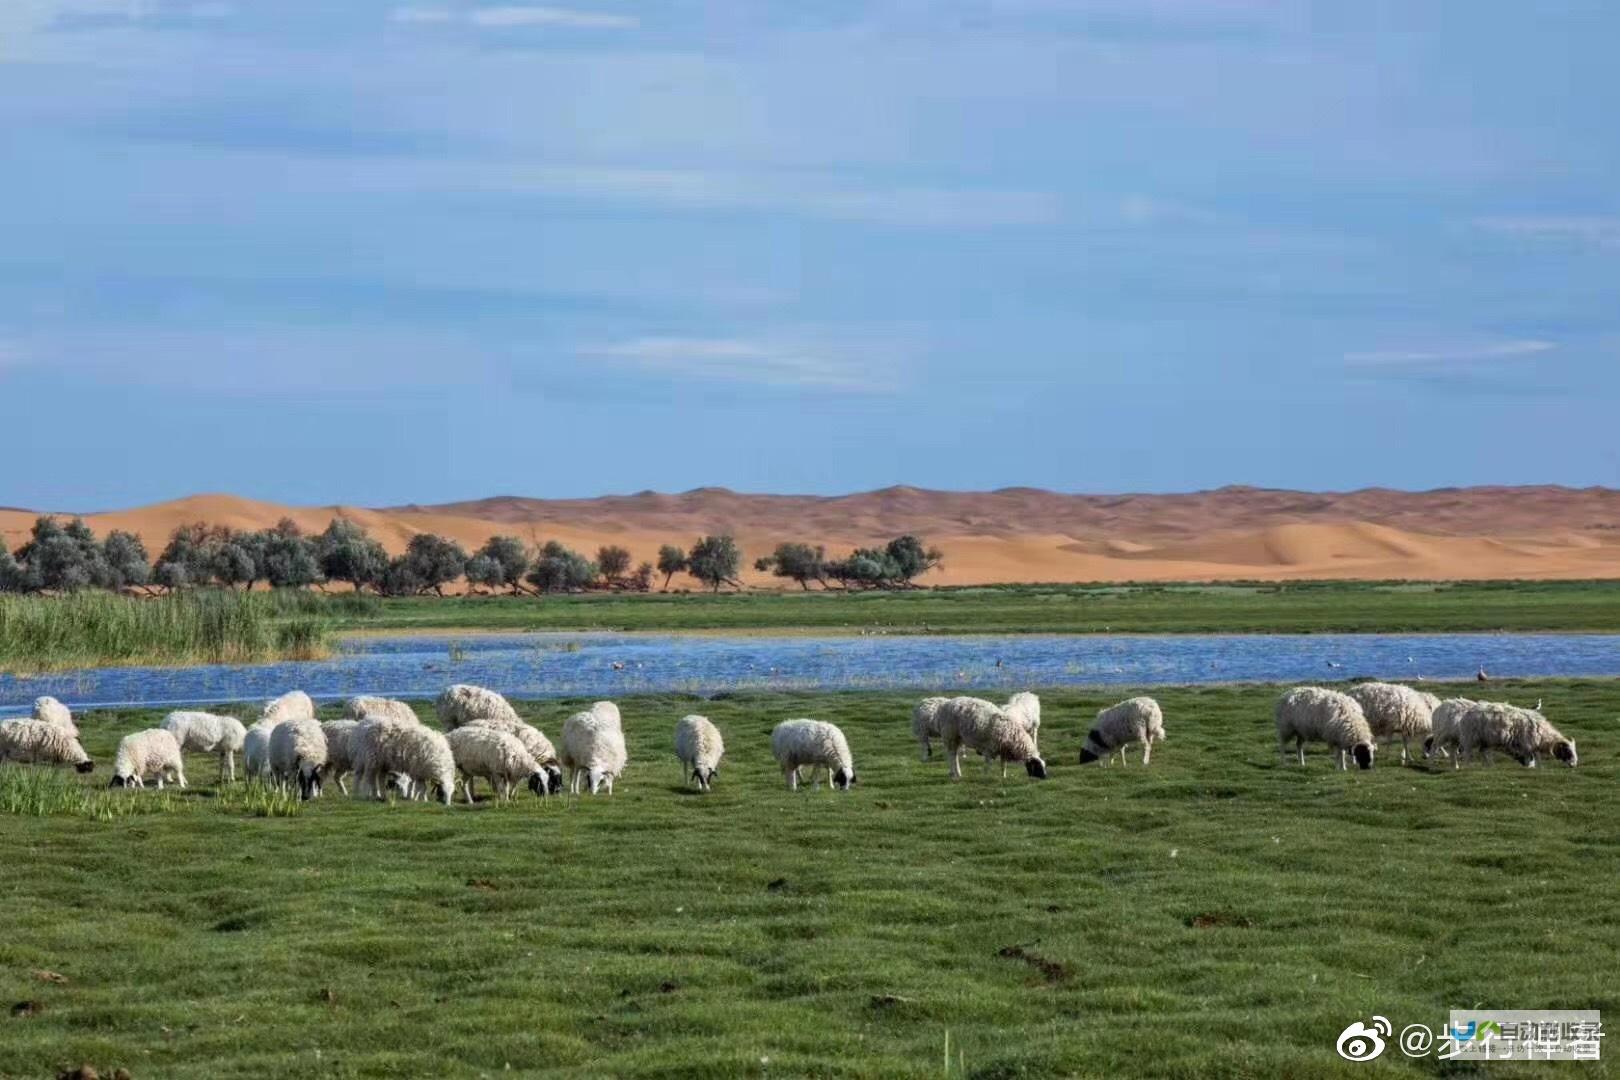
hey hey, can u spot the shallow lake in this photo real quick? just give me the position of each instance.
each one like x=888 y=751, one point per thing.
x=605 y=665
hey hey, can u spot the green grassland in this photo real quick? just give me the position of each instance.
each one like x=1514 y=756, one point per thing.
x=1214 y=915
x=1299 y=607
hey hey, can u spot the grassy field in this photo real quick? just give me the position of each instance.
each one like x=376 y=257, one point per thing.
x=1215 y=915
x=1304 y=607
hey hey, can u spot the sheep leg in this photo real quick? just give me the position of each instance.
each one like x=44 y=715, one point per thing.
x=1147 y=751
x=467 y=783
x=1299 y=745
x=791 y=774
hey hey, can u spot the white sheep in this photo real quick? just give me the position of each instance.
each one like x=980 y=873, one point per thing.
x=256 y=750
x=1442 y=738
x=462 y=704
x=1311 y=713
x=298 y=753
x=39 y=742
x=593 y=748
x=1522 y=734
x=699 y=747
x=339 y=750
x=535 y=742
x=289 y=706
x=990 y=731
x=358 y=708
x=412 y=757
x=483 y=752
x=1025 y=707
x=150 y=754
x=925 y=724
x=206 y=733
x=818 y=744
x=51 y=711
x=1134 y=720
x=1395 y=712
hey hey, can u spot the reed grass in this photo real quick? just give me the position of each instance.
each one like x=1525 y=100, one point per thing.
x=97 y=629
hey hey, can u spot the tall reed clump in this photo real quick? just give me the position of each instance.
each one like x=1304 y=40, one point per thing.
x=90 y=629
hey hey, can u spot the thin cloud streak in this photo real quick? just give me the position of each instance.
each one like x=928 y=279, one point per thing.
x=1449 y=355
x=517 y=16
x=1596 y=231
x=740 y=360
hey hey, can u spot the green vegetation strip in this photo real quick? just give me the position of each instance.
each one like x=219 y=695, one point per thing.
x=1306 y=607
x=1214 y=915
x=91 y=629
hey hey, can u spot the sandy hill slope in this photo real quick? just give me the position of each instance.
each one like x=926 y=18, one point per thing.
x=1024 y=534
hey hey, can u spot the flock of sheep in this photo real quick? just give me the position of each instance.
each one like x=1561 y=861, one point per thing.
x=384 y=746
x=1353 y=722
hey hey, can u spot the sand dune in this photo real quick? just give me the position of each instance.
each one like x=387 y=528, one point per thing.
x=1022 y=534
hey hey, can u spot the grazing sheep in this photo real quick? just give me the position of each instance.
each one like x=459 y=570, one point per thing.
x=39 y=742
x=1431 y=700
x=818 y=744
x=699 y=747
x=1025 y=707
x=1394 y=712
x=1135 y=720
x=1442 y=738
x=339 y=750
x=288 y=706
x=989 y=731
x=298 y=752
x=925 y=724
x=497 y=757
x=256 y=750
x=150 y=754
x=358 y=708
x=1522 y=734
x=461 y=704
x=1310 y=713
x=206 y=733
x=535 y=742
x=593 y=748
x=411 y=756
x=51 y=711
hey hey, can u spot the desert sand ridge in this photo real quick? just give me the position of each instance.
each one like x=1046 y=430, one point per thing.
x=1023 y=534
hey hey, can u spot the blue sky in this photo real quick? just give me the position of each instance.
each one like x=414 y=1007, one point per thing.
x=377 y=252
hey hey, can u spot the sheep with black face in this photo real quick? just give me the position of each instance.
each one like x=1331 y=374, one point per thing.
x=699 y=748
x=1313 y=714
x=818 y=744
x=39 y=742
x=1135 y=720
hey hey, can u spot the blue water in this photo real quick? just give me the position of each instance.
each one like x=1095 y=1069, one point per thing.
x=584 y=665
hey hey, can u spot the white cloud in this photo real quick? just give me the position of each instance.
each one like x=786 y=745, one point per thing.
x=815 y=194
x=526 y=15
x=762 y=362
x=552 y=16
x=1450 y=355
x=1595 y=231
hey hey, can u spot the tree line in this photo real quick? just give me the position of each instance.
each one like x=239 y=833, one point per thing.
x=68 y=558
